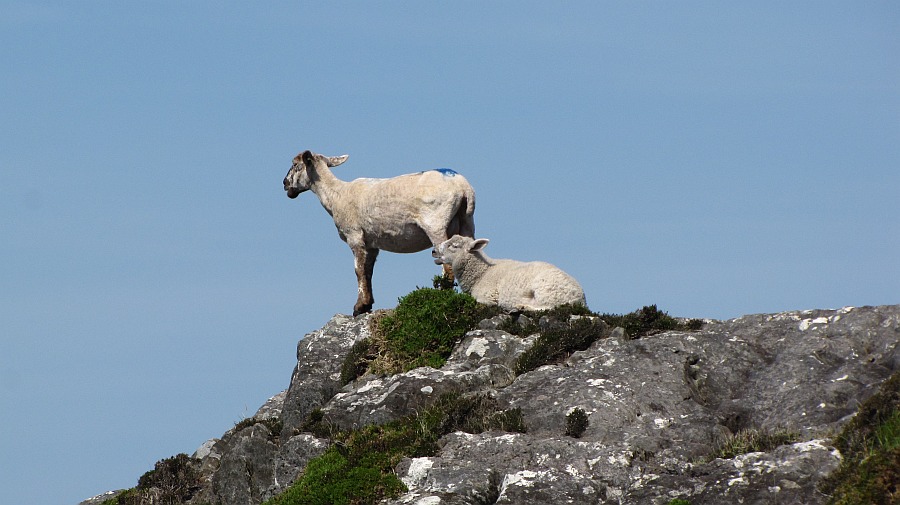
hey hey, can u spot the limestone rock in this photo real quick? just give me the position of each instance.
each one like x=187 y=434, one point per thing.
x=657 y=407
x=316 y=377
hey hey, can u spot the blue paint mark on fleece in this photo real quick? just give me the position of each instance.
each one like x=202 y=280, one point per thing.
x=446 y=171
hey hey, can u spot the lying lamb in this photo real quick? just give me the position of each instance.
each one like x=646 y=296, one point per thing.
x=513 y=285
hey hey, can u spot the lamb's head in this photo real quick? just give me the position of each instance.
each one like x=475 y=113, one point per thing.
x=297 y=179
x=455 y=247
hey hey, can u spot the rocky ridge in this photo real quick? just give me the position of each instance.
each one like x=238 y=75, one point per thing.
x=656 y=408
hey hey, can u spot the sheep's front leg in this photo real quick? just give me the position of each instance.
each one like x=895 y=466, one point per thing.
x=364 y=262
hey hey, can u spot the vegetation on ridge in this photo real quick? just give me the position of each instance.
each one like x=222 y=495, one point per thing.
x=422 y=331
x=359 y=467
x=428 y=323
x=870 y=448
x=561 y=334
x=172 y=480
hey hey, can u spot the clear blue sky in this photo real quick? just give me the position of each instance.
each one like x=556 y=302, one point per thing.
x=714 y=158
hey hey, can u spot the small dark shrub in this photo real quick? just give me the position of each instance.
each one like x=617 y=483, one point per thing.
x=564 y=312
x=694 y=324
x=172 y=480
x=443 y=282
x=274 y=425
x=557 y=343
x=563 y=335
x=576 y=423
x=528 y=322
x=357 y=361
x=521 y=325
x=316 y=424
x=475 y=414
x=649 y=320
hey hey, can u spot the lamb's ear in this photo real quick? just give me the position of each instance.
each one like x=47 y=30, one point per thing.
x=333 y=161
x=308 y=157
x=479 y=244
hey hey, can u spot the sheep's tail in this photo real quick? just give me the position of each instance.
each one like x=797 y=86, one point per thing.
x=465 y=215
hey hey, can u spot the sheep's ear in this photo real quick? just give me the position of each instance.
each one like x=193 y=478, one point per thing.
x=479 y=244
x=308 y=157
x=333 y=161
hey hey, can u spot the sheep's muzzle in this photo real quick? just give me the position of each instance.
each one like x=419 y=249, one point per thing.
x=437 y=257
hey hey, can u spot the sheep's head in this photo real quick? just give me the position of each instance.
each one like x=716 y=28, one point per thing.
x=298 y=180
x=457 y=245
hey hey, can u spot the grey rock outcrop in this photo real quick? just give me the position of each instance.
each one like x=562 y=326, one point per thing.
x=263 y=455
x=316 y=377
x=656 y=408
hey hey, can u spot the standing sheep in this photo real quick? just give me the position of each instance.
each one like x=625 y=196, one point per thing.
x=404 y=214
x=513 y=285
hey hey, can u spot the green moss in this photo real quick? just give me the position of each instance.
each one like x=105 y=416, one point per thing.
x=870 y=448
x=331 y=479
x=679 y=501
x=359 y=467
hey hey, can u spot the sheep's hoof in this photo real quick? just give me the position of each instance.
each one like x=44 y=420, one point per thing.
x=362 y=309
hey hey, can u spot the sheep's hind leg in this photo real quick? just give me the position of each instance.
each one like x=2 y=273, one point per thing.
x=364 y=266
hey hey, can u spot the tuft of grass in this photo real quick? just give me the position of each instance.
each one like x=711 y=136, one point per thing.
x=576 y=423
x=649 y=320
x=679 y=501
x=887 y=434
x=421 y=331
x=753 y=440
x=870 y=448
x=359 y=468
